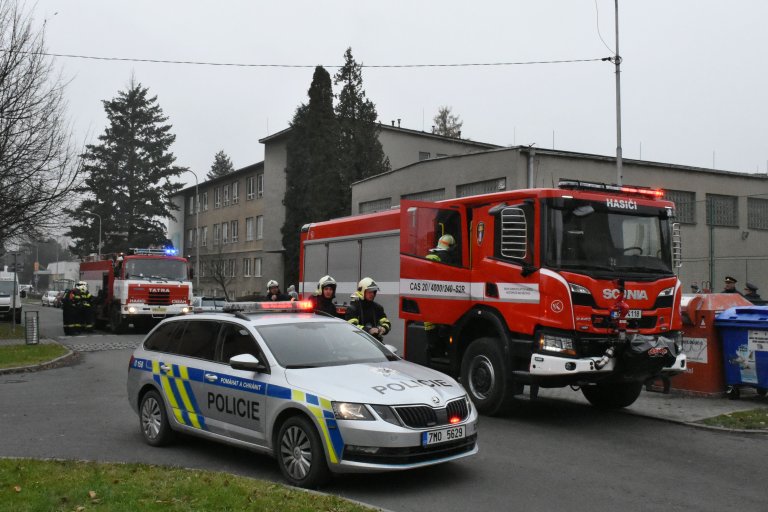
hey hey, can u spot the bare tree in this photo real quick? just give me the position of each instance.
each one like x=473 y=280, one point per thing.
x=38 y=167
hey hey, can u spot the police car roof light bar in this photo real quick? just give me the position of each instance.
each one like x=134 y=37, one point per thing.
x=268 y=307
x=648 y=192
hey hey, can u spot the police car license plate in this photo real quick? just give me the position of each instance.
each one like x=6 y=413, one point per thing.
x=635 y=313
x=443 y=435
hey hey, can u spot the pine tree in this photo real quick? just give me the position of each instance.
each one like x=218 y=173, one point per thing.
x=447 y=124
x=313 y=186
x=129 y=177
x=360 y=152
x=222 y=166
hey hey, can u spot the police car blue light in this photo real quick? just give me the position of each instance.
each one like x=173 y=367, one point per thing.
x=317 y=393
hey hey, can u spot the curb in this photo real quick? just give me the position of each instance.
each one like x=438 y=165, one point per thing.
x=67 y=358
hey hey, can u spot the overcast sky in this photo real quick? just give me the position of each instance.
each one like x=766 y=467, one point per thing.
x=693 y=74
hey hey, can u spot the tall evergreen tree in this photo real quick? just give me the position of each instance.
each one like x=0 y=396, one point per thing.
x=222 y=166
x=312 y=186
x=446 y=123
x=360 y=152
x=129 y=177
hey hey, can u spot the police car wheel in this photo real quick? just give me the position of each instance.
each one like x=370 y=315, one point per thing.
x=612 y=395
x=154 y=420
x=483 y=375
x=300 y=453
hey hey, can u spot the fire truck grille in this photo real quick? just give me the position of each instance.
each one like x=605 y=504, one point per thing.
x=421 y=416
x=159 y=299
x=646 y=322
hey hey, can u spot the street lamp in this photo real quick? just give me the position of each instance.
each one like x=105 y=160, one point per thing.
x=99 y=216
x=197 y=232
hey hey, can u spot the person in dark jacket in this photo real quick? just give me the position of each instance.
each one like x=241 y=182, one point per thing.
x=322 y=299
x=367 y=314
x=730 y=285
x=274 y=293
x=750 y=293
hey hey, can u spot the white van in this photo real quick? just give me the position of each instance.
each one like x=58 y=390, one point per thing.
x=9 y=287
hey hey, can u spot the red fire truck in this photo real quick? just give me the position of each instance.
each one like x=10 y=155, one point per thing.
x=568 y=286
x=140 y=287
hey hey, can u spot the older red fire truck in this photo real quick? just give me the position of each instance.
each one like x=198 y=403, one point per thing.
x=141 y=286
x=568 y=286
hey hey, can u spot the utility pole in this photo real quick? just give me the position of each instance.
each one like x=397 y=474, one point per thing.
x=617 y=62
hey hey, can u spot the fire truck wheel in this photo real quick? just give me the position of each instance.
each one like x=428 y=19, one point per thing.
x=484 y=377
x=612 y=395
x=116 y=322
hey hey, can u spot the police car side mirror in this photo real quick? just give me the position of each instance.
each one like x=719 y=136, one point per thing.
x=246 y=362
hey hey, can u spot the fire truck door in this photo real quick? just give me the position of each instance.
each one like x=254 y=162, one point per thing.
x=434 y=262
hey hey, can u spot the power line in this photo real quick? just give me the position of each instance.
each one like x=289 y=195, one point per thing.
x=247 y=65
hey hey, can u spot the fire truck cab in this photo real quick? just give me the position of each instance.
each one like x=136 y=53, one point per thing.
x=573 y=286
x=142 y=286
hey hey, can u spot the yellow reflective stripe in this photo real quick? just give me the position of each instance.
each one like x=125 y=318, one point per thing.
x=179 y=417
x=324 y=428
x=326 y=404
x=298 y=396
x=187 y=403
x=184 y=372
x=156 y=367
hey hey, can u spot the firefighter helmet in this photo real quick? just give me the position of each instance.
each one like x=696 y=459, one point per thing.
x=82 y=286
x=272 y=284
x=367 y=284
x=326 y=281
x=445 y=243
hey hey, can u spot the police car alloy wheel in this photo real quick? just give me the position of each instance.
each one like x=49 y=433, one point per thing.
x=300 y=453
x=154 y=421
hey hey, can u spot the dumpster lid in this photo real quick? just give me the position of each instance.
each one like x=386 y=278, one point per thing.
x=744 y=316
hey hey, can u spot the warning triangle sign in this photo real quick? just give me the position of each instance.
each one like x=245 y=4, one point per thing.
x=702 y=324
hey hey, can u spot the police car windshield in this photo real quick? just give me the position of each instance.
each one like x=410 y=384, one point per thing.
x=312 y=344
x=620 y=237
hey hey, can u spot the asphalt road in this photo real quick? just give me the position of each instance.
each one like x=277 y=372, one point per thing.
x=547 y=455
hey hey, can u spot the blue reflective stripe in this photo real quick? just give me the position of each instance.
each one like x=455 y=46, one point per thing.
x=329 y=414
x=312 y=399
x=276 y=391
x=335 y=434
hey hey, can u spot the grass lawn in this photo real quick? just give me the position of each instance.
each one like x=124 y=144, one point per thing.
x=32 y=485
x=25 y=355
x=6 y=333
x=754 y=419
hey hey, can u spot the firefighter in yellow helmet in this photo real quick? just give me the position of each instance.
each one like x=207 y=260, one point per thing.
x=366 y=313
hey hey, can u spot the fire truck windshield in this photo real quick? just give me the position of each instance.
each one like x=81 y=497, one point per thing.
x=156 y=268
x=606 y=237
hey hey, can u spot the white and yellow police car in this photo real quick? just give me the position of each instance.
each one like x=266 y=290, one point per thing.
x=317 y=393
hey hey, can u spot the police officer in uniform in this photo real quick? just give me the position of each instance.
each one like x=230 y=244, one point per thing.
x=730 y=285
x=751 y=294
x=322 y=299
x=367 y=314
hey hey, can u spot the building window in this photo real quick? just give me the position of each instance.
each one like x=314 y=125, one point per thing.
x=190 y=238
x=204 y=237
x=224 y=233
x=191 y=205
x=205 y=201
x=722 y=210
x=260 y=185
x=481 y=187
x=424 y=155
x=376 y=205
x=259 y=227
x=246 y=267
x=216 y=234
x=217 y=197
x=757 y=213
x=235 y=192
x=250 y=187
x=256 y=267
x=225 y=192
x=429 y=195
x=231 y=268
x=248 y=229
x=233 y=228
x=685 y=205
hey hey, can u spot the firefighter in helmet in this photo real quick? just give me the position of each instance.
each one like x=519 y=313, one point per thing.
x=322 y=299
x=79 y=315
x=366 y=313
x=444 y=251
x=274 y=293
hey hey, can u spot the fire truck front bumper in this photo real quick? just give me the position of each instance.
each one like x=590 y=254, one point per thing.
x=138 y=309
x=546 y=365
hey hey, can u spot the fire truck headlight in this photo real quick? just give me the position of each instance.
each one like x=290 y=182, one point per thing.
x=131 y=309
x=667 y=293
x=577 y=288
x=185 y=310
x=553 y=343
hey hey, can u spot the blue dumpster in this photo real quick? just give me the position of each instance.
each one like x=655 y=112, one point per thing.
x=744 y=333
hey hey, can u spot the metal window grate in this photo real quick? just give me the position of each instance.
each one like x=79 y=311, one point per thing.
x=722 y=210
x=757 y=213
x=685 y=205
x=481 y=187
x=514 y=229
x=376 y=206
x=428 y=195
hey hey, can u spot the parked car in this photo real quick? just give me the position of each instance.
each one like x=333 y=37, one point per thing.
x=319 y=394
x=207 y=304
x=49 y=298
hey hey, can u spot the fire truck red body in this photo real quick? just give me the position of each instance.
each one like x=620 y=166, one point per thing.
x=140 y=287
x=573 y=286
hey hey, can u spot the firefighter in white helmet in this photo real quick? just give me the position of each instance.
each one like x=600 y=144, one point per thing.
x=367 y=314
x=322 y=299
x=274 y=293
x=445 y=251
